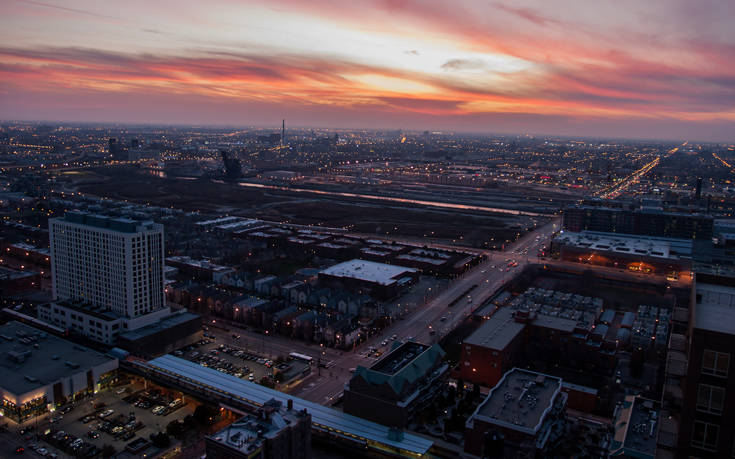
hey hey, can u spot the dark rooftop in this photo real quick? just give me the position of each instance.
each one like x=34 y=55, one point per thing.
x=520 y=400
x=496 y=332
x=32 y=358
x=123 y=225
x=636 y=428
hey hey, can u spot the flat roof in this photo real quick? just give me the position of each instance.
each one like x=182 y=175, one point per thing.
x=250 y=301
x=161 y=325
x=636 y=428
x=246 y=435
x=54 y=359
x=520 y=400
x=12 y=274
x=321 y=416
x=249 y=433
x=625 y=244
x=497 y=331
x=369 y=271
x=716 y=311
x=430 y=261
x=202 y=264
x=118 y=224
x=30 y=248
x=80 y=306
x=557 y=323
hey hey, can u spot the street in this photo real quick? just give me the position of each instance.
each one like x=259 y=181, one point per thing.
x=325 y=385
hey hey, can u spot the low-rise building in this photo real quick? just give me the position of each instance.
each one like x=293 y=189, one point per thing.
x=538 y=324
x=273 y=432
x=527 y=410
x=93 y=322
x=636 y=428
x=200 y=269
x=400 y=383
x=648 y=254
x=170 y=333
x=40 y=371
x=380 y=279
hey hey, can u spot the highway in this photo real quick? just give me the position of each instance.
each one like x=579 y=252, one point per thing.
x=614 y=190
x=426 y=324
x=724 y=163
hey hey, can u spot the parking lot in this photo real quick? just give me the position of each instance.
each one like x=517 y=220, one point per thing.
x=116 y=417
x=228 y=358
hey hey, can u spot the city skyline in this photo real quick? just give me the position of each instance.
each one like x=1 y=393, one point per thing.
x=659 y=70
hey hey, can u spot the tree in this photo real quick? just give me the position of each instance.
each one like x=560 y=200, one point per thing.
x=175 y=428
x=204 y=415
x=460 y=387
x=266 y=381
x=108 y=451
x=637 y=359
x=161 y=440
x=189 y=422
x=451 y=395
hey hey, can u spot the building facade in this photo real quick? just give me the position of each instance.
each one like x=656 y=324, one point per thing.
x=110 y=263
x=707 y=383
x=638 y=221
x=40 y=371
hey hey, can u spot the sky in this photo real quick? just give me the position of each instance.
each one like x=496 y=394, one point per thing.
x=661 y=69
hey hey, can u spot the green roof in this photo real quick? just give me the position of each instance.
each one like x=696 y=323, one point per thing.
x=407 y=374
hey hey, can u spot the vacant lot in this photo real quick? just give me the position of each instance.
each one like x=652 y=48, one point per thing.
x=469 y=228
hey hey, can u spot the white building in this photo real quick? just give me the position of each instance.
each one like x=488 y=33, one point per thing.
x=107 y=274
x=111 y=263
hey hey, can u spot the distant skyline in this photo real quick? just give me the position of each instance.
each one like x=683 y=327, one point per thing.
x=628 y=69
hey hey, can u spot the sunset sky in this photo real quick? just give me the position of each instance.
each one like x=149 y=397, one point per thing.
x=652 y=69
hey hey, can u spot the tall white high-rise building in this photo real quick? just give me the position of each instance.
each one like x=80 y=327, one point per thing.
x=107 y=275
x=109 y=263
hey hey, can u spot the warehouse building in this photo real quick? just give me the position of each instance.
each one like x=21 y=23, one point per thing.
x=41 y=371
x=379 y=279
